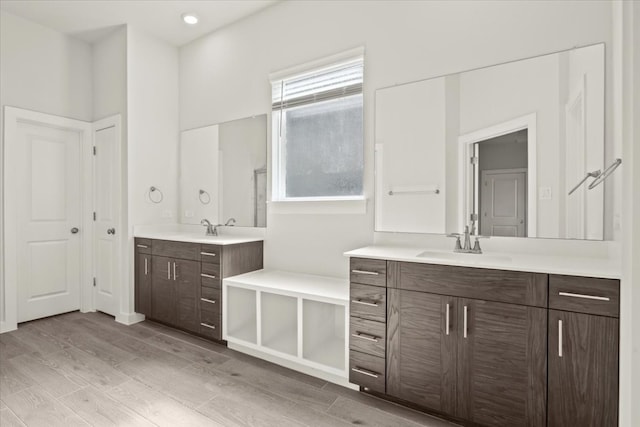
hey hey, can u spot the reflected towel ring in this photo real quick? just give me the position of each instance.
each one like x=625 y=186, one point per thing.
x=155 y=199
x=204 y=197
x=608 y=171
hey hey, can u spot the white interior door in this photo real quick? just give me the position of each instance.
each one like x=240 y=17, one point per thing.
x=49 y=243
x=107 y=229
x=503 y=204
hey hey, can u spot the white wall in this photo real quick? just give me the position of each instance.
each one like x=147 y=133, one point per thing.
x=41 y=70
x=223 y=76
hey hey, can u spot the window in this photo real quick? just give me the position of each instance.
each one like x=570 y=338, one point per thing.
x=318 y=133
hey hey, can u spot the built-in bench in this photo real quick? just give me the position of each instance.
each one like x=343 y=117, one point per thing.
x=295 y=320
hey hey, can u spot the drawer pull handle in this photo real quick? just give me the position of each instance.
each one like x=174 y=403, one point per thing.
x=206 y=325
x=366 y=337
x=212 y=301
x=372 y=273
x=367 y=303
x=207 y=253
x=210 y=276
x=559 y=338
x=571 y=294
x=365 y=372
x=142 y=246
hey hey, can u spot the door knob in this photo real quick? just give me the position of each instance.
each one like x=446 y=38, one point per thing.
x=111 y=231
x=74 y=230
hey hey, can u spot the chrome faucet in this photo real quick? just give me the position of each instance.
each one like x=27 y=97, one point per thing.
x=467 y=249
x=212 y=230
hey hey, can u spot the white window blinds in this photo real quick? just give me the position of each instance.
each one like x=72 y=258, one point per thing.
x=330 y=83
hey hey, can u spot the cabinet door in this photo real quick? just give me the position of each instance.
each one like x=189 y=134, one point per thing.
x=502 y=367
x=583 y=370
x=187 y=279
x=421 y=349
x=163 y=290
x=143 y=284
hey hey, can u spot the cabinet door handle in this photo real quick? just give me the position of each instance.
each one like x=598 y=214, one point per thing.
x=146 y=266
x=559 y=338
x=212 y=301
x=366 y=337
x=174 y=270
x=361 y=302
x=142 y=246
x=207 y=253
x=447 y=320
x=206 y=325
x=210 y=276
x=372 y=273
x=464 y=326
x=571 y=294
x=169 y=270
x=365 y=372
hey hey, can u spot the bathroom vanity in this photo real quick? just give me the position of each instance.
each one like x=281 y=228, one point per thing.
x=178 y=281
x=511 y=344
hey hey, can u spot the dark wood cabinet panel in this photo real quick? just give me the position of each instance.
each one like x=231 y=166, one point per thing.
x=143 y=246
x=583 y=370
x=143 y=283
x=163 y=290
x=368 y=271
x=241 y=258
x=514 y=287
x=187 y=278
x=421 y=349
x=584 y=295
x=181 y=250
x=367 y=371
x=368 y=302
x=501 y=364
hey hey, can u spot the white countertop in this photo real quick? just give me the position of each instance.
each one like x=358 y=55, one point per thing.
x=567 y=265
x=183 y=236
x=294 y=284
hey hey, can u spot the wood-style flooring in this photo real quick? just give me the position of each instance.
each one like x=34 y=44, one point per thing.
x=86 y=369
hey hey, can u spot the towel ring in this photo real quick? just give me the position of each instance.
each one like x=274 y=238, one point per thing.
x=155 y=199
x=204 y=197
x=608 y=171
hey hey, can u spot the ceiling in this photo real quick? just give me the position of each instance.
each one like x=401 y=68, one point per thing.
x=89 y=20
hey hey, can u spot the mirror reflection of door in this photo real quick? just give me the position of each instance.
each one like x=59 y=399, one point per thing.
x=501 y=193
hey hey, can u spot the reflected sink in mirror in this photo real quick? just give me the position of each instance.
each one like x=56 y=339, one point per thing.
x=462 y=257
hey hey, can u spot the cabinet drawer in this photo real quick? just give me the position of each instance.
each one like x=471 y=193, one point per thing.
x=368 y=302
x=210 y=315
x=210 y=299
x=210 y=275
x=367 y=371
x=367 y=336
x=210 y=330
x=143 y=246
x=181 y=250
x=514 y=287
x=210 y=253
x=584 y=295
x=368 y=271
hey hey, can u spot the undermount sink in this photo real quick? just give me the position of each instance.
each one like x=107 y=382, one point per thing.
x=462 y=257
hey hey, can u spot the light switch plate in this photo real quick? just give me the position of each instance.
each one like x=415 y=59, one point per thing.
x=544 y=193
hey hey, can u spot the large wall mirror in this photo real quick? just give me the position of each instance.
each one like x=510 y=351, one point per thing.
x=223 y=173
x=500 y=149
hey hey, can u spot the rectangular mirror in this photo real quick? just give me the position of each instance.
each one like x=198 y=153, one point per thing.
x=498 y=148
x=223 y=173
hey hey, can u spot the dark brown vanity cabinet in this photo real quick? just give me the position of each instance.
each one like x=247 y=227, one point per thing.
x=179 y=283
x=583 y=352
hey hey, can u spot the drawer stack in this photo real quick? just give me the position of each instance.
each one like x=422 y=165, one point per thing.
x=367 y=329
x=210 y=291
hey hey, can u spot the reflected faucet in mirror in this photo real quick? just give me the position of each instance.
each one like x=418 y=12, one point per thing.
x=230 y=222
x=467 y=249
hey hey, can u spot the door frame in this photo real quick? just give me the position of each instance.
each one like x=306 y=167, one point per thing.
x=483 y=174
x=11 y=188
x=465 y=152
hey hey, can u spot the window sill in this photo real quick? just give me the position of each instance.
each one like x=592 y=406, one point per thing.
x=355 y=206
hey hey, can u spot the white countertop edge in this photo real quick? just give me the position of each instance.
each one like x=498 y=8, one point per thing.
x=570 y=266
x=194 y=238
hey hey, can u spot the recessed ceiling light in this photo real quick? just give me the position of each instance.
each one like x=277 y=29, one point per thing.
x=190 y=18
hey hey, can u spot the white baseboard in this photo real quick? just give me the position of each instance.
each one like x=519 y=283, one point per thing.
x=293 y=365
x=129 y=318
x=7 y=327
